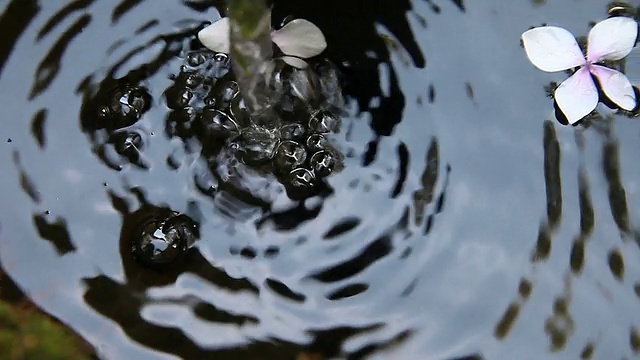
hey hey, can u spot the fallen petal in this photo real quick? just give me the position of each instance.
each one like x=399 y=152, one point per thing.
x=295 y=62
x=616 y=86
x=216 y=36
x=552 y=48
x=577 y=96
x=612 y=39
x=300 y=38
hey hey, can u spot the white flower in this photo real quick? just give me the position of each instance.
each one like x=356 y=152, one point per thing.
x=299 y=38
x=552 y=49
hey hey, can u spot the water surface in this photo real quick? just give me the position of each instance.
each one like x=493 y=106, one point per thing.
x=466 y=221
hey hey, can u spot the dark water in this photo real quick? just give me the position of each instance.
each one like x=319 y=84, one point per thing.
x=466 y=221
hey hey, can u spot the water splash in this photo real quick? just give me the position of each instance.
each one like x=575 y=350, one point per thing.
x=251 y=51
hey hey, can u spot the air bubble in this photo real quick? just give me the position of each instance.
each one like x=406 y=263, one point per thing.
x=184 y=98
x=292 y=132
x=159 y=241
x=196 y=59
x=192 y=80
x=330 y=85
x=123 y=108
x=217 y=124
x=322 y=163
x=324 y=122
x=239 y=111
x=289 y=155
x=221 y=58
x=301 y=179
x=139 y=100
x=304 y=84
x=178 y=96
x=221 y=65
x=257 y=144
x=127 y=143
x=316 y=142
x=222 y=93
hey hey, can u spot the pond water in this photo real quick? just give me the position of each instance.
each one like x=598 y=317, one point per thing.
x=465 y=223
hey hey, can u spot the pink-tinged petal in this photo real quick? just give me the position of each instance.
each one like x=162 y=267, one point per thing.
x=612 y=39
x=552 y=48
x=616 y=86
x=300 y=38
x=295 y=62
x=577 y=96
x=215 y=37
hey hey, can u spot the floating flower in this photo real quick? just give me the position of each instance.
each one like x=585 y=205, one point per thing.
x=552 y=49
x=298 y=38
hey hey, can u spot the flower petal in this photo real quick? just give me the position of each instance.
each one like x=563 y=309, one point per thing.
x=577 y=96
x=612 y=39
x=616 y=86
x=216 y=36
x=300 y=38
x=295 y=62
x=552 y=48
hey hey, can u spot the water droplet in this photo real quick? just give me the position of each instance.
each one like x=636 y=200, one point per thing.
x=286 y=20
x=322 y=163
x=103 y=112
x=289 y=155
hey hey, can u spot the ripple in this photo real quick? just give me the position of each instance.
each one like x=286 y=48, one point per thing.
x=361 y=223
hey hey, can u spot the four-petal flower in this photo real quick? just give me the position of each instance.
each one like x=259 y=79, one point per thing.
x=552 y=49
x=298 y=38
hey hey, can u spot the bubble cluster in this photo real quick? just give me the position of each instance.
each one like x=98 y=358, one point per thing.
x=289 y=142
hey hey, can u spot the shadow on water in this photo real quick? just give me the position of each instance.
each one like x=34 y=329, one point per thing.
x=357 y=233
